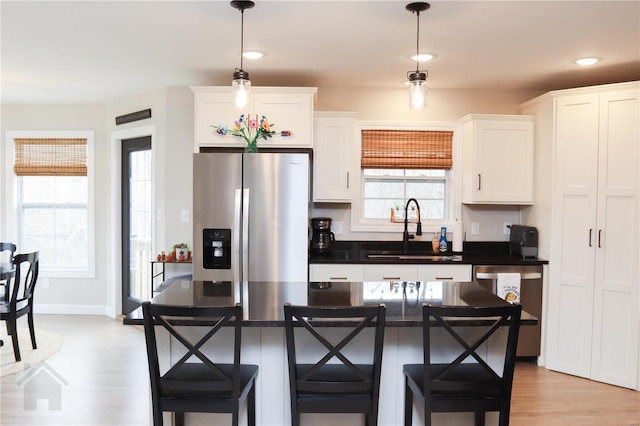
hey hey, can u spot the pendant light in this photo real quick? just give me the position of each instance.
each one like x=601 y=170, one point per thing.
x=241 y=85
x=417 y=79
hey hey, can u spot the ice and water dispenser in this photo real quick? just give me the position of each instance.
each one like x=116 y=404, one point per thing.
x=217 y=248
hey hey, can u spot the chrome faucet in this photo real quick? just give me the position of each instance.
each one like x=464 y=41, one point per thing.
x=406 y=236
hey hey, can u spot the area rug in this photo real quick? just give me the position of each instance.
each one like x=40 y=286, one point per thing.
x=48 y=345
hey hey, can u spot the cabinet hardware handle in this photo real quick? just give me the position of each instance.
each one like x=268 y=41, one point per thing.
x=599 y=238
x=479 y=181
x=337 y=278
x=390 y=278
x=590 y=232
x=444 y=278
x=347 y=180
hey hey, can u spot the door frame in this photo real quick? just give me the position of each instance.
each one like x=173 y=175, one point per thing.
x=138 y=144
x=114 y=263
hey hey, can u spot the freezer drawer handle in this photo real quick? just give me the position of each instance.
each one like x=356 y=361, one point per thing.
x=494 y=276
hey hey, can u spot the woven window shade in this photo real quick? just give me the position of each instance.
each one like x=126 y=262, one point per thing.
x=50 y=157
x=406 y=149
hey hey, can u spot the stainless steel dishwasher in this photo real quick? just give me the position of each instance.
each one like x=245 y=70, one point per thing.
x=530 y=299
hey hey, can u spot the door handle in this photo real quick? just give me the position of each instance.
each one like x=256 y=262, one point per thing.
x=599 y=238
x=445 y=278
x=337 y=278
x=390 y=278
x=590 y=232
x=479 y=181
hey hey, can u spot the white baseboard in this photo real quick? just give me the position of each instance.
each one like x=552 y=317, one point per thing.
x=72 y=309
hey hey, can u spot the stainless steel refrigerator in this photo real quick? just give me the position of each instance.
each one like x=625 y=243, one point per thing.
x=250 y=215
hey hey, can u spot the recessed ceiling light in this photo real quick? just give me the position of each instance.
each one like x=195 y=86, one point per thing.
x=587 y=61
x=253 y=55
x=423 y=57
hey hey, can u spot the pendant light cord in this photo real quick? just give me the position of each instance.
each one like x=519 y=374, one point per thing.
x=418 y=41
x=241 y=36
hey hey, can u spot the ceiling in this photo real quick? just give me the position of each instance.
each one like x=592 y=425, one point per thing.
x=101 y=51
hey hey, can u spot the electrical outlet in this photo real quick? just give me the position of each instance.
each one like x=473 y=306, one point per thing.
x=475 y=228
x=506 y=230
x=336 y=228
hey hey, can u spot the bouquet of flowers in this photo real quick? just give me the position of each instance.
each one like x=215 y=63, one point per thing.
x=250 y=130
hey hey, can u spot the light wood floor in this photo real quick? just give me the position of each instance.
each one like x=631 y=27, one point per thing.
x=103 y=365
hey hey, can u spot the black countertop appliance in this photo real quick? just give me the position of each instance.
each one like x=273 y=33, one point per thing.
x=524 y=241
x=322 y=239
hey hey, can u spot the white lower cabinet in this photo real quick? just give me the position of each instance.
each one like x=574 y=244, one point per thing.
x=444 y=273
x=336 y=272
x=389 y=272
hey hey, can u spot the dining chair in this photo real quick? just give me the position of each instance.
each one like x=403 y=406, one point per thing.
x=195 y=383
x=342 y=385
x=20 y=301
x=465 y=383
x=10 y=247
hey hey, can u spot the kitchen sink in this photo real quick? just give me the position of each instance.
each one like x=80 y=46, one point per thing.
x=400 y=255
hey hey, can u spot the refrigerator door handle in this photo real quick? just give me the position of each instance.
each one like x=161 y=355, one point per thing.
x=235 y=255
x=245 y=234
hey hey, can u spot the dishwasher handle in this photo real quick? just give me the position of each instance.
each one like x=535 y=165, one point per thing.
x=494 y=275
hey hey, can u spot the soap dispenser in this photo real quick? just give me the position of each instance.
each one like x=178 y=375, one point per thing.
x=443 y=240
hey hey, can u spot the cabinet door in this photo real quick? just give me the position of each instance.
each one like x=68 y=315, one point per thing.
x=444 y=273
x=336 y=272
x=498 y=160
x=215 y=108
x=391 y=273
x=286 y=111
x=332 y=157
x=573 y=235
x=616 y=320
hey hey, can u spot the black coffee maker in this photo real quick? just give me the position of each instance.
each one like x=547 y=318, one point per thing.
x=322 y=238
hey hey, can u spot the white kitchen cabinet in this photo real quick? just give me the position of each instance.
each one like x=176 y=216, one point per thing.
x=444 y=273
x=594 y=236
x=333 y=156
x=497 y=159
x=286 y=108
x=391 y=272
x=336 y=272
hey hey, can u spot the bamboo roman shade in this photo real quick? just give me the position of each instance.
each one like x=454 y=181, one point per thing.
x=50 y=157
x=406 y=149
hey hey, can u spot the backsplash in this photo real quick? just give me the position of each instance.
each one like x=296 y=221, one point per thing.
x=490 y=220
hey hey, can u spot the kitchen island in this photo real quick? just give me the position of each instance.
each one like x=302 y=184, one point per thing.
x=263 y=336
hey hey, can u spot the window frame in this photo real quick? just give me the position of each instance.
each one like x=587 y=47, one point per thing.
x=453 y=190
x=15 y=207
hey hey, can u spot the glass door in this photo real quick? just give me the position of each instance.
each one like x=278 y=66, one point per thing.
x=136 y=222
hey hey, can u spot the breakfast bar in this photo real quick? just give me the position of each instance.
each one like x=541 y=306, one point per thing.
x=263 y=336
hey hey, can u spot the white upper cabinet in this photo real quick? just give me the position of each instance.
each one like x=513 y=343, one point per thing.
x=333 y=156
x=286 y=108
x=497 y=159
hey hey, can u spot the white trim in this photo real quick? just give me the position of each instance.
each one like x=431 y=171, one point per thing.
x=358 y=224
x=71 y=309
x=11 y=194
x=114 y=266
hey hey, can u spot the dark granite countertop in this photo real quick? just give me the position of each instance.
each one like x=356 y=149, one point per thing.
x=473 y=253
x=263 y=301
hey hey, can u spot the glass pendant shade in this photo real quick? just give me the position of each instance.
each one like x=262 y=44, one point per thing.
x=241 y=88
x=417 y=92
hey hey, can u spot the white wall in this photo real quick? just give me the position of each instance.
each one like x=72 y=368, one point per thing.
x=65 y=294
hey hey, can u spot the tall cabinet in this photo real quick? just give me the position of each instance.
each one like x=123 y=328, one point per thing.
x=593 y=327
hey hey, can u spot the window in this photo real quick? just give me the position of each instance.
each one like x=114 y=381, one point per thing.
x=398 y=164
x=389 y=189
x=54 y=202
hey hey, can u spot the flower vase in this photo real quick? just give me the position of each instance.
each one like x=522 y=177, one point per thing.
x=252 y=147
